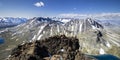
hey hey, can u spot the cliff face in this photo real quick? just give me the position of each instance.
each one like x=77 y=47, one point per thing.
x=54 y=48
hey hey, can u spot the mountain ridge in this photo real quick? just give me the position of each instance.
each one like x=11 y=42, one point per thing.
x=94 y=38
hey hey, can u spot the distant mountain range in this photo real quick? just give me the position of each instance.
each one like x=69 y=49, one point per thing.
x=10 y=21
x=102 y=16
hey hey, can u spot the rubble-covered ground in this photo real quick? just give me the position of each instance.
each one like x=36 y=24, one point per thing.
x=52 y=48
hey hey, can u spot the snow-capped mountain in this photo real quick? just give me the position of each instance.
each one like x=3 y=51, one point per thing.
x=94 y=38
x=10 y=21
x=45 y=27
x=115 y=23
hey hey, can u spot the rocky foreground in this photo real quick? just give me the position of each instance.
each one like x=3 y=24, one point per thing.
x=52 y=48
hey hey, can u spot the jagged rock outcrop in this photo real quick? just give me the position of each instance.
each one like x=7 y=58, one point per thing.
x=52 y=48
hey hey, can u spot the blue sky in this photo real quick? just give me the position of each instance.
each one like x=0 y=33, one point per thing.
x=27 y=8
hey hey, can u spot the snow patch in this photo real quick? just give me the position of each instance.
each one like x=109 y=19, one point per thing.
x=23 y=43
x=39 y=37
x=41 y=29
x=34 y=37
x=65 y=20
x=108 y=44
x=62 y=50
x=101 y=51
x=93 y=27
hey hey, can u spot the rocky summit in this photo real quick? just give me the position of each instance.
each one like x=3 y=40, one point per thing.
x=52 y=48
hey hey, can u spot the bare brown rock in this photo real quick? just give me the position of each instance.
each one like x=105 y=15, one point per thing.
x=52 y=48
